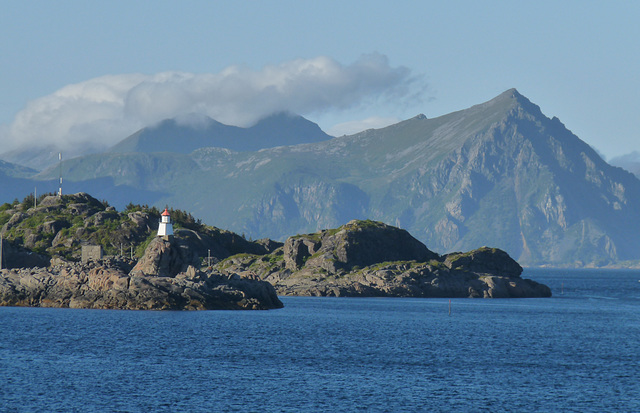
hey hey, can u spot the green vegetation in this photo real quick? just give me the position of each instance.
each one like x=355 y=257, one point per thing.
x=58 y=226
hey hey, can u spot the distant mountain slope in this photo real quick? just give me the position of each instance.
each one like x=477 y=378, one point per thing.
x=14 y=170
x=630 y=162
x=40 y=158
x=499 y=173
x=185 y=137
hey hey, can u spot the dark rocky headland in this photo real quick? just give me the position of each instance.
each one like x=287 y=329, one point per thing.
x=203 y=267
x=371 y=259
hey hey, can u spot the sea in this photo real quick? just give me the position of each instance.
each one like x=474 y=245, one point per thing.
x=578 y=351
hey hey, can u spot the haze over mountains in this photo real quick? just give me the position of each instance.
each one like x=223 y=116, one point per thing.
x=500 y=174
x=630 y=162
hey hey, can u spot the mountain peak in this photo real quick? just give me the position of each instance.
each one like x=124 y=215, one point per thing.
x=509 y=100
x=188 y=133
x=510 y=95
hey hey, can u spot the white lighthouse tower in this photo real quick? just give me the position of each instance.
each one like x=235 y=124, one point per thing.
x=165 y=229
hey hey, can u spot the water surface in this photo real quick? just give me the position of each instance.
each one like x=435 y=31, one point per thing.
x=577 y=351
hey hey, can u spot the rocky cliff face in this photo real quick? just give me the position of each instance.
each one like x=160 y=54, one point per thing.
x=365 y=258
x=166 y=258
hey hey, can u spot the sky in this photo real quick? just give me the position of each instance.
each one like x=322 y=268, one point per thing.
x=78 y=72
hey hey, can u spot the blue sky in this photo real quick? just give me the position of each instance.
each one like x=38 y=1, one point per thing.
x=366 y=63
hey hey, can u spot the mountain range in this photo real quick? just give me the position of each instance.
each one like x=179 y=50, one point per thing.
x=500 y=174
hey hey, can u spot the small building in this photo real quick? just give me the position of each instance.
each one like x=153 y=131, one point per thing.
x=165 y=229
x=91 y=252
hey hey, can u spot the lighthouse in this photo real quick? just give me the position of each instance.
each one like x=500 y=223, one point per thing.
x=165 y=229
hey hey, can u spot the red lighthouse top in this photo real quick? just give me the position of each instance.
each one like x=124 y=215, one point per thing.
x=165 y=213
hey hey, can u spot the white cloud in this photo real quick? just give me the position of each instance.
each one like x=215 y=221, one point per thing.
x=104 y=110
x=349 y=128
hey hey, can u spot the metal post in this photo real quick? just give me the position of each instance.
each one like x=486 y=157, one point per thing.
x=60 y=188
x=209 y=258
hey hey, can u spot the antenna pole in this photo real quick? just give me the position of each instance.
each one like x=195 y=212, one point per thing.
x=60 y=159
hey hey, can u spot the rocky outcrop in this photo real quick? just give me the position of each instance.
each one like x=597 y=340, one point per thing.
x=484 y=261
x=107 y=284
x=168 y=276
x=60 y=226
x=14 y=256
x=166 y=258
x=365 y=258
x=356 y=244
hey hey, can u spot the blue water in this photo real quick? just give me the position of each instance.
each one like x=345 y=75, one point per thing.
x=577 y=351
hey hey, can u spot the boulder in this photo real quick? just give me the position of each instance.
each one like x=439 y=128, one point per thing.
x=52 y=227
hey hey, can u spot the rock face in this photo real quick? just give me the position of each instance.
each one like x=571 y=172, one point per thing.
x=365 y=258
x=166 y=258
x=13 y=257
x=356 y=244
x=189 y=248
x=107 y=285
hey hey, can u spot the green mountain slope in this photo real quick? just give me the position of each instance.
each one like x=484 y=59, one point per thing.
x=499 y=173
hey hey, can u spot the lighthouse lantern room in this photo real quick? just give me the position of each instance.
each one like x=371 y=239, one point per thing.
x=165 y=229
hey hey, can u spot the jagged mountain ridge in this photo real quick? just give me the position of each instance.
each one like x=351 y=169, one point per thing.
x=500 y=173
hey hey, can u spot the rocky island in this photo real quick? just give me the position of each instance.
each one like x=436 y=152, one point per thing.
x=168 y=276
x=371 y=259
x=201 y=268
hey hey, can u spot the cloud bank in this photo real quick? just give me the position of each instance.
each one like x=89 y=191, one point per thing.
x=100 y=112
